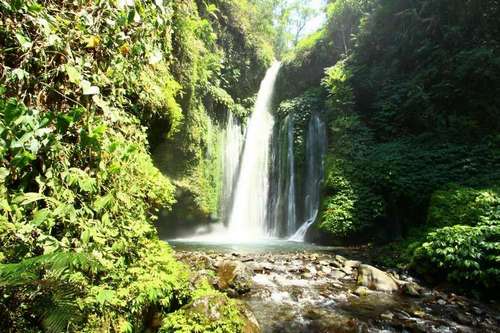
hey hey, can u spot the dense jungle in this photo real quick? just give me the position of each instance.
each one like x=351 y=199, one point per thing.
x=249 y=166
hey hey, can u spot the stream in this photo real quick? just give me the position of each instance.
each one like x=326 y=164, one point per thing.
x=298 y=287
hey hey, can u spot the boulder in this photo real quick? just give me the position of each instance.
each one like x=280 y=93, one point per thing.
x=250 y=323
x=411 y=289
x=234 y=277
x=375 y=279
x=337 y=274
x=349 y=266
x=362 y=291
x=209 y=311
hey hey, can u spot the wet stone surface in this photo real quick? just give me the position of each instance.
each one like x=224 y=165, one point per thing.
x=324 y=292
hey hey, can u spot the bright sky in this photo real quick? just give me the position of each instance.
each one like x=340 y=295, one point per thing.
x=316 y=22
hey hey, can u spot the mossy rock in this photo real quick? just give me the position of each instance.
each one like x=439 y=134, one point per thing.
x=212 y=312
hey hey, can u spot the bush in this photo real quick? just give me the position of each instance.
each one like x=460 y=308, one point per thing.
x=463 y=243
x=465 y=206
x=464 y=254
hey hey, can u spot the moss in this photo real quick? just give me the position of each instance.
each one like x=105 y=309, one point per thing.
x=209 y=311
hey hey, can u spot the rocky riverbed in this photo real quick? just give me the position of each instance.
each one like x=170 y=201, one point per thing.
x=325 y=292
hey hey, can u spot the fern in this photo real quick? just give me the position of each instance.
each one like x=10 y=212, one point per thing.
x=46 y=279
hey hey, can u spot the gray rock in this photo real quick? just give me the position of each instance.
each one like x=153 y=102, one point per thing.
x=375 y=279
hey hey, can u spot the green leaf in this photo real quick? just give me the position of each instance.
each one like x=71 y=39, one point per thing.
x=40 y=216
x=29 y=197
x=4 y=173
x=20 y=74
x=85 y=237
x=74 y=75
x=101 y=202
x=24 y=41
x=104 y=296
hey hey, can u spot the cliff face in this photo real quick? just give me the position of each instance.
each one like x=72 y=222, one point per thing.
x=191 y=156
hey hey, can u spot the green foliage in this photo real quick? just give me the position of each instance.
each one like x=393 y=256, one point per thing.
x=465 y=242
x=336 y=83
x=412 y=105
x=49 y=280
x=465 y=206
x=350 y=205
x=464 y=254
x=426 y=67
x=86 y=86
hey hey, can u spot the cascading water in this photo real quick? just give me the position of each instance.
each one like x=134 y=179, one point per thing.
x=282 y=209
x=233 y=144
x=291 y=211
x=315 y=151
x=247 y=220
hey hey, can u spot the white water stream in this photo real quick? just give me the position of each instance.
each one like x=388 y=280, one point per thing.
x=315 y=150
x=259 y=199
x=247 y=221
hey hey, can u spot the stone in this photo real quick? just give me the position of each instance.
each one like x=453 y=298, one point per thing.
x=234 y=277
x=375 y=279
x=462 y=318
x=387 y=315
x=349 y=266
x=213 y=308
x=337 y=274
x=411 y=289
x=326 y=269
x=362 y=291
x=338 y=261
x=250 y=323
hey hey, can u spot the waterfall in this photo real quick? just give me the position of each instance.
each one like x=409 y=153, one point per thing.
x=291 y=213
x=282 y=210
x=247 y=219
x=315 y=151
x=233 y=145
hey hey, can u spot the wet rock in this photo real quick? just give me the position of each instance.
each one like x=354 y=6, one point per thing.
x=326 y=269
x=462 y=318
x=340 y=259
x=234 y=277
x=362 y=291
x=375 y=279
x=198 y=277
x=311 y=269
x=349 y=266
x=264 y=267
x=250 y=323
x=337 y=274
x=387 y=315
x=324 y=263
x=412 y=289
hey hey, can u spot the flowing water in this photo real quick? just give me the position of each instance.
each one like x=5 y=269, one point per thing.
x=247 y=220
x=233 y=145
x=282 y=219
x=315 y=151
x=302 y=288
